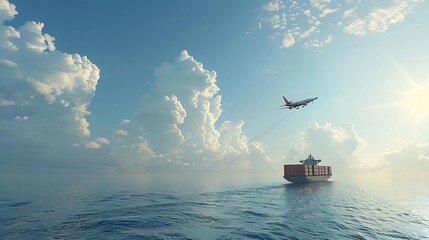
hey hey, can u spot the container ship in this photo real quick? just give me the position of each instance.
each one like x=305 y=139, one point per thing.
x=307 y=172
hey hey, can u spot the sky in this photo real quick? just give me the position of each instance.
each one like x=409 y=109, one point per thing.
x=162 y=86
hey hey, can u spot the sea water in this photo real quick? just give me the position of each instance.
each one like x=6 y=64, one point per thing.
x=54 y=207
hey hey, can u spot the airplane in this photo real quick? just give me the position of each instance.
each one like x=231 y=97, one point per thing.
x=298 y=104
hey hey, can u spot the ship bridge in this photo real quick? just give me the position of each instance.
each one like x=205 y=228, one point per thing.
x=310 y=160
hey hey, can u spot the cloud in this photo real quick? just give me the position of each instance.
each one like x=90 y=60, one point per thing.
x=125 y=121
x=44 y=96
x=289 y=22
x=316 y=43
x=95 y=144
x=407 y=157
x=272 y=6
x=276 y=21
x=8 y=63
x=176 y=126
x=323 y=7
x=308 y=20
x=121 y=132
x=7 y=11
x=92 y=145
x=5 y=102
x=288 y=41
x=337 y=146
x=378 y=20
x=102 y=140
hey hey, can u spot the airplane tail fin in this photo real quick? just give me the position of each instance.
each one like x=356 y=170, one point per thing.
x=286 y=101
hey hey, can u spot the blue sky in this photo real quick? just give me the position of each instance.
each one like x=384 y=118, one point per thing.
x=365 y=60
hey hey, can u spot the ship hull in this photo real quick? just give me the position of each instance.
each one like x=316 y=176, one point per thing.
x=307 y=179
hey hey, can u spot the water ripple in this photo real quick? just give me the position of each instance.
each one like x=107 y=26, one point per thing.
x=284 y=211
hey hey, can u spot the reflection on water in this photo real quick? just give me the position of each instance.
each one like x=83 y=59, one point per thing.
x=259 y=210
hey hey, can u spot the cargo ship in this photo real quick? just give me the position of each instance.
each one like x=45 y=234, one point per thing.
x=307 y=172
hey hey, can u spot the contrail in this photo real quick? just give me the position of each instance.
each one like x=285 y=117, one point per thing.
x=270 y=128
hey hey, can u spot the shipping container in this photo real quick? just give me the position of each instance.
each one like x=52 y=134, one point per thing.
x=306 y=172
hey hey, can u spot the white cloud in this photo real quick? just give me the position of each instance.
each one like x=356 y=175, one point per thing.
x=407 y=157
x=136 y=152
x=96 y=143
x=349 y=13
x=271 y=6
x=121 y=132
x=7 y=11
x=288 y=22
x=327 y=11
x=102 y=140
x=322 y=6
x=9 y=45
x=92 y=144
x=288 y=41
x=276 y=21
x=50 y=42
x=319 y=3
x=358 y=27
x=315 y=43
x=49 y=93
x=19 y=118
x=356 y=18
x=380 y=19
x=8 y=63
x=176 y=125
x=125 y=121
x=338 y=146
x=307 y=13
x=308 y=32
x=5 y=102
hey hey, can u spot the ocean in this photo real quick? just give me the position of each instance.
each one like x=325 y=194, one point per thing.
x=58 y=207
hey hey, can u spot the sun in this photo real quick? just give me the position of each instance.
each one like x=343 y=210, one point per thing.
x=416 y=101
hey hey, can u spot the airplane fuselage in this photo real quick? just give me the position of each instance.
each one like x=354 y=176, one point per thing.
x=298 y=104
x=301 y=103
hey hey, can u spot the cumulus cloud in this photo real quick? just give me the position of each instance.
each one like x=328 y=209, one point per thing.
x=49 y=89
x=338 y=146
x=307 y=19
x=7 y=11
x=44 y=104
x=407 y=157
x=177 y=124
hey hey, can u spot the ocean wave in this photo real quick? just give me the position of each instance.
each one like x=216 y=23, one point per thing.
x=281 y=211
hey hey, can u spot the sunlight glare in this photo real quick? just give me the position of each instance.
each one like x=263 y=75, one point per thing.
x=416 y=100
